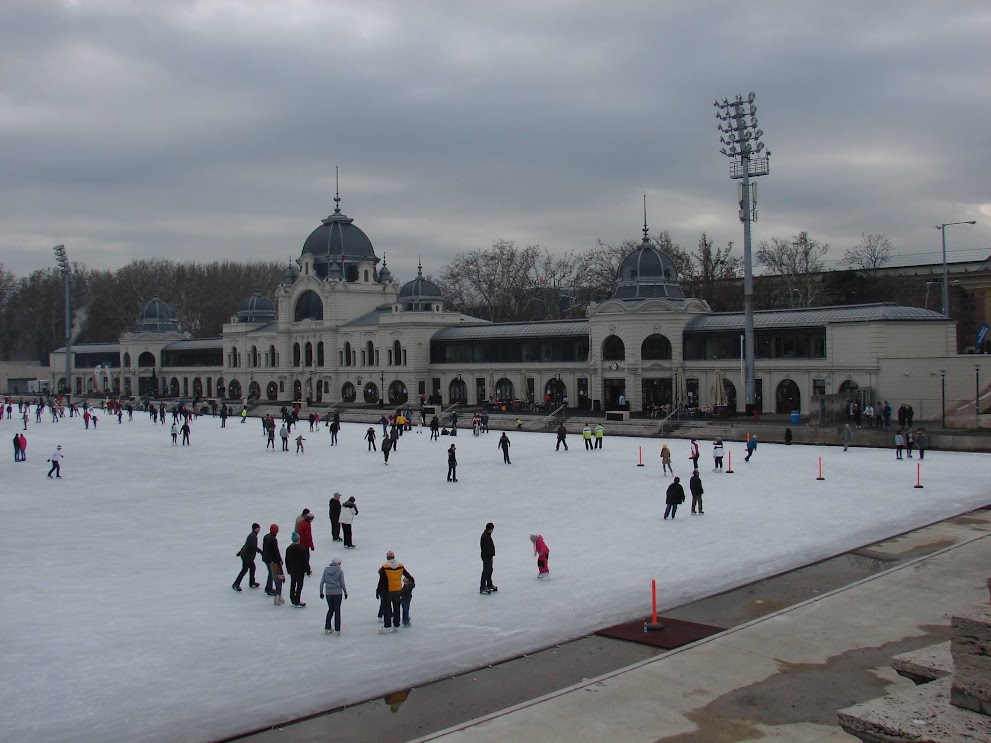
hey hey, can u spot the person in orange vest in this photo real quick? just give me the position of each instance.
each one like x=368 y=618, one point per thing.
x=389 y=591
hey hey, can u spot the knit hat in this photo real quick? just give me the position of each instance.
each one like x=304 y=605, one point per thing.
x=335 y=560
x=337 y=495
x=274 y=528
x=295 y=537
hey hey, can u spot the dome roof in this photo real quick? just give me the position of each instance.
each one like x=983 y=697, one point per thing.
x=647 y=273
x=420 y=293
x=338 y=238
x=157 y=317
x=256 y=308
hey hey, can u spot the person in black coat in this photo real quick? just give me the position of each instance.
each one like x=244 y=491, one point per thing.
x=488 y=555
x=674 y=498
x=434 y=428
x=247 y=554
x=271 y=554
x=695 y=485
x=298 y=567
x=452 y=464
x=504 y=445
x=335 y=517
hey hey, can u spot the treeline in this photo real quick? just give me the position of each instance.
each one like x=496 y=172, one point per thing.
x=106 y=303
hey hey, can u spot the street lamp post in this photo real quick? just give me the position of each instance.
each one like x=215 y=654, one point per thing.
x=741 y=140
x=946 y=276
x=63 y=263
x=977 y=395
x=942 y=381
x=382 y=389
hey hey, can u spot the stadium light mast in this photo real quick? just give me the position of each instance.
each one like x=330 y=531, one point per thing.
x=63 y=263
x=740 y=138
x=946 y=274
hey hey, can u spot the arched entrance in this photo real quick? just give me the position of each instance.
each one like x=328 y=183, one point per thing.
x=458 y=391
x=397 y=393
x=557 y=390
x=197 y=387
x=174 y=387
x=787 y=397
x=371 y=393
x=297 y=390
x=234 y=390
x=272 y=391
x=504 y=390
x=613 y=349
x=348 y=392
x=254 y=390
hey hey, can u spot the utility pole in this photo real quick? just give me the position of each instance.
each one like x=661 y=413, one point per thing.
x=63 y=263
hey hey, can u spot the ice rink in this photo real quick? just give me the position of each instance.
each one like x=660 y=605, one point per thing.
x=120 y=623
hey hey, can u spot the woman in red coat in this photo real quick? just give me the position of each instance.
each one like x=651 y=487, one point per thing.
x=304 y=530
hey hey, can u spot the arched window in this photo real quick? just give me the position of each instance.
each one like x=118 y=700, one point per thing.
x=127 y=361
x=366 y=276
x=787 y=397
x=849 y=387
x=254 y=391
x=557 y=390
x=309 y=354
x=272 y=361
x=320 y=353
x=458 y=391
x=397 y=393
x=504 y=390
x=348 y=392
x=347 y=354
x=295 y=354
x=234 y=390
x=297 y=390
x=146 y=359
x=613 y=349
x=308 y=306
x=397 y=353
x=729 y=390
x=272 y=391
x=197 y=387
x=174 y=387
x=371 y=392
x=370 y=351
x=655 y=347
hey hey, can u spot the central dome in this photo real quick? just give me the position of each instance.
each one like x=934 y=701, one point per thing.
x=337 y=239
x=157 y=317
x=647 y=273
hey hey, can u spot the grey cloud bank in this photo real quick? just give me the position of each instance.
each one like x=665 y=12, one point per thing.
x=208 y=130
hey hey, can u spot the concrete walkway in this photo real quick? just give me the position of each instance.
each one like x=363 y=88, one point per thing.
x=780 y=677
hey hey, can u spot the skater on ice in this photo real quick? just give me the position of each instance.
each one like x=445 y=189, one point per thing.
x=55 y=460
x=666 y=460
x=272 y=558
x=562 y=434
x=348 y=512
x=694 y=454
x=504 y=445
x=717 y=455
x=543 y=555
x=452 y=464
x=695 y=486
x=390 y=586
x=332 y=586
x=335 y=517
x=674 y=497
x=298 y=567
x=247 y=554
x=751 y=447
x=487 y=546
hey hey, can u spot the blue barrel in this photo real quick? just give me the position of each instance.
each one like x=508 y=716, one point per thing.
x=796 y=417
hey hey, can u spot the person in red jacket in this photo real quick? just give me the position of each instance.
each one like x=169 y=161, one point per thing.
x=304 y=530
x=543 y=554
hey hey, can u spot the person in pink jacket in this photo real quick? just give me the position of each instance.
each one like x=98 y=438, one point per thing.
x=542 y=552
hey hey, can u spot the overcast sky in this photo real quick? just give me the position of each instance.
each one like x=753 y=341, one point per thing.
x=211 y=130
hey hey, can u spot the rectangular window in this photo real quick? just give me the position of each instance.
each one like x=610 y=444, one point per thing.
x=341 y=362
x=818 y=386
x=282 y=386
x=692 y=388
x=390 y=357
x=404 y=357
x=377 y=358
x=363 y=359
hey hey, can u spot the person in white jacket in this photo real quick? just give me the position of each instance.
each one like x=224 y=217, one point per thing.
x=348 y=511
x=54 y=459
x=717 y=455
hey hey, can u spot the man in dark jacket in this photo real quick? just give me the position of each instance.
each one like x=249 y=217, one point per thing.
x=452 y=464
x=695 y=485
x=247 y=554
x=298 y=566
x=488 y=555
x=270 y=554
x=562 y=432
x=434 y=428
x=675 y=497
x=504 y=445
x=335 y=517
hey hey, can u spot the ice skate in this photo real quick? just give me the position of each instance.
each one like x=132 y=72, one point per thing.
x=385 y=631
x=236 y=587
x=484 y=591
x=276 y=600
x=328 y=631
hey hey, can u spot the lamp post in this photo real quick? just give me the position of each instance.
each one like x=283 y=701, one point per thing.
x=977 y=395
x=382 y=389
x=741 y=140
x=942 y=382
x=946 y=277
x=63 y=263
x=461 y=385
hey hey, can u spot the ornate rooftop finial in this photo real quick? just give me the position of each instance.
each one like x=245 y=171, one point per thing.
x=645 y=231
x=337 y=195
x=419 y=266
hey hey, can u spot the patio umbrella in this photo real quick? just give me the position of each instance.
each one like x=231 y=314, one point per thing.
x=719 y=391
x=681 y=391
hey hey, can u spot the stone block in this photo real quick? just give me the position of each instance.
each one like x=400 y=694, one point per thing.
x=970 y=646
x=926 y=664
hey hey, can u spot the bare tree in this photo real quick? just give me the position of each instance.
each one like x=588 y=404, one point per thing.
x=870 y=254
x=710 y=272
x=797 y=263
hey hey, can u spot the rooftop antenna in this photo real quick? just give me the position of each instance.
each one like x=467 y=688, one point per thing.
x=419 y=266
x=337 y=195
x=645 y=231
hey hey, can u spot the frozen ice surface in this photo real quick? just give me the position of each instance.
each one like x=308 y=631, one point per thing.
x=120 y=623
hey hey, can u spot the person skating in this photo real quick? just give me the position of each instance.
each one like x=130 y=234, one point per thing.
x=788 y=437
x=386 y=447
x=452 y=464
x=271 y=438
x=666 y=460
x=299 y=444
x=504 y=445
x=55 y=460
x=390 y=586
x=846 y=436
x=694 y=454
x=674 y=497
x=175 y=435
x=370 y=438
x=562 y=434
x=184 y=430
x=284 y=435
x=909 y=442
x=348 y=512
x=487 y=547
x=435 y=428
x=599 y=433
x=272 y=559
x=587 y=437
x=543 y=554
x=406 y=598
x=304 y=528
x=335 y=517
x=334 y=428
x=921 y=442
x=751 y=447
x=298 y=567
x=332 y=586
x=717 y=455
x=247 y=554
x=695 y=486
x=899 y=444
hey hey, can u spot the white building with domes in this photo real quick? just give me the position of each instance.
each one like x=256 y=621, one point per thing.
x=340 y=329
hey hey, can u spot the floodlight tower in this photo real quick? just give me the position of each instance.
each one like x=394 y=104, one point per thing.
x=741 y=143
x=63 y=263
